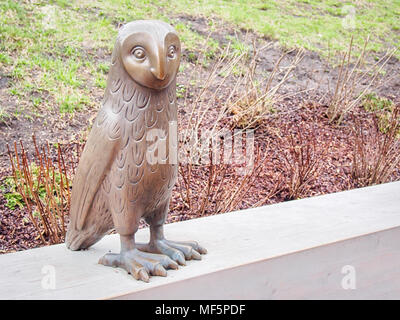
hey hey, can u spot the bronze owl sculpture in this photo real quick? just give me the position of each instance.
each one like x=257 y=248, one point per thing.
x=117 y=182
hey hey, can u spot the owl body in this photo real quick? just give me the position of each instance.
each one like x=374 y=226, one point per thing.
x=125 y=172
x=137 y=182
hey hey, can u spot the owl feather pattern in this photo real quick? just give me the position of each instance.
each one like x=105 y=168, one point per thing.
x=114 y=178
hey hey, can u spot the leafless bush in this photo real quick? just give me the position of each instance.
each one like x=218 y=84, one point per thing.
x=257 y=100
x=376 y=155
x=301 y=160
x=219 y=188
x=44 y=185
x=246 y=102
x=230 y=99
x=351 y=74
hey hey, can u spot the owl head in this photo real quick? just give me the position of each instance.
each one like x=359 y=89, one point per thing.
x=150 y=52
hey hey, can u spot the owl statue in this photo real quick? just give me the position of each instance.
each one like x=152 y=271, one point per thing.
x=117 y=181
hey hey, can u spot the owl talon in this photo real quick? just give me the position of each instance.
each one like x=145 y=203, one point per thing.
x=140 y=264
x=110 y=260
x=179 y=257
x=159 y=271
x=195 y=246
x=179 y=252
x=191 y=249
x=142 y=275
x=195 y=255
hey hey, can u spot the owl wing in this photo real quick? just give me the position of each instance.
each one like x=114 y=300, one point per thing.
x=97 y=157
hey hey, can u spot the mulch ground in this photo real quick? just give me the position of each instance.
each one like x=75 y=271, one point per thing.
x=332 y=150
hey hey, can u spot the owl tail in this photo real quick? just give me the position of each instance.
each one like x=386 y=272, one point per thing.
x=82 y=239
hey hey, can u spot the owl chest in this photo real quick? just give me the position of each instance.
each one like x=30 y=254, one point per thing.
x=142 y=172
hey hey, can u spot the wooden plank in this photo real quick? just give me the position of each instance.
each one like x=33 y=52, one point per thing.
x=317 y=273
x=295 y=249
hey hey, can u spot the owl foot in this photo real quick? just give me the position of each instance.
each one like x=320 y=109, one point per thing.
x=178 y=251
x=140 y=264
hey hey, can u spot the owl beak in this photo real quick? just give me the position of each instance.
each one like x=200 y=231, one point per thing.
x=159 y=71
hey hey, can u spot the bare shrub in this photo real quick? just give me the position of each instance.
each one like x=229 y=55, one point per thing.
x=222 y=187
x=246 y=103
x=375 y=155
x=247 y=98
x=257 y=100
x=351 y=74
x=44 y=185
x=300 y=160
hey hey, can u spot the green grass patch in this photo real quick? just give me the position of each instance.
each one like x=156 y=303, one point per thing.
x=52 y=48
x=382 y=107
x=312 y=24
x=14 y=198
x=57 y=43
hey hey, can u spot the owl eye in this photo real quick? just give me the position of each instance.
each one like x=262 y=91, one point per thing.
x=171 y=52
x=139 y=53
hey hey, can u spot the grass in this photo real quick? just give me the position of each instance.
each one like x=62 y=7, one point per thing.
x=57 y=51
x=312 y=24
x=383 y=109
x=4 y=116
